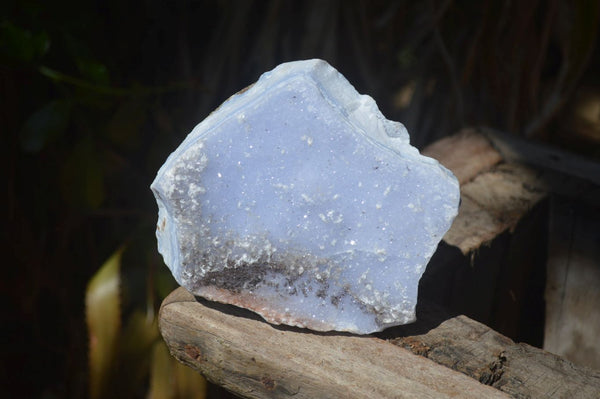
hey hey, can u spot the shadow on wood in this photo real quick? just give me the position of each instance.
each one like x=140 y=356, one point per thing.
x=237 y=350
x=257 y=360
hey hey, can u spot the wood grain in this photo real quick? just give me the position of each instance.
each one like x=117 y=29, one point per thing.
x=466 y=153
x=251 y=358
x=519 y=370
x=451 y=357
x=495 y=195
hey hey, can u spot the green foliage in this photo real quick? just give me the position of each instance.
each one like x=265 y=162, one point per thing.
x=20 y=46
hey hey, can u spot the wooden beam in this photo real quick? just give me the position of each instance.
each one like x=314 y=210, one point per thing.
x=520 y=370
x=495 y=195
x=235 y=349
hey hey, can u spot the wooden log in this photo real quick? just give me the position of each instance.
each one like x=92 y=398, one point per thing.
x=520 y=370
x=235 y=349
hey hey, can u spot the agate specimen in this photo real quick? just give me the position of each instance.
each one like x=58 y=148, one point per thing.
x=298 y=200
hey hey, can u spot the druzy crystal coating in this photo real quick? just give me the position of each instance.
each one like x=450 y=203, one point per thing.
x=298 y=200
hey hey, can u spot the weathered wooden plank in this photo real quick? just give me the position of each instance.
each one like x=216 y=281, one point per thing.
x=466 y=153
x=492 y=203
x=495 y=195
x=235 y=349
x=519 y=370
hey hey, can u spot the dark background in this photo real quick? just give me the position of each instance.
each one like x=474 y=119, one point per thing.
x=94 y=95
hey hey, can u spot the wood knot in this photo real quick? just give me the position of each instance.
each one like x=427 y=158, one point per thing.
x=193 y=352
x=414 y=345
x=493 y=372
x=268 y=383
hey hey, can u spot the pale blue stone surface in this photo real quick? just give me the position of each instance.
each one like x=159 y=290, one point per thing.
x=298 y=200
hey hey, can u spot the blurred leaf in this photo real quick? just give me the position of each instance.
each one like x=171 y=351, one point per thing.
x=188 y=383
x=122 y=357
x=102 y=303
x=136 y=89
x=162 y=382
x=84 y=59
x=135 y=352
x=124 y=128
x=60 y=77
x=170 y=379
x=94 y=71
x=45 y=125
x=20 y=45
x=82 y=176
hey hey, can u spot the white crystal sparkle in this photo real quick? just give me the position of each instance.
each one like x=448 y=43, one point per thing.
x=298 y=200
